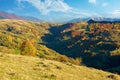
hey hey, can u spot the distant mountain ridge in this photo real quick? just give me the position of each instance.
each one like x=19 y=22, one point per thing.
x=96 y=19
x=30 y=18
x=103 y=21
x=5 y=15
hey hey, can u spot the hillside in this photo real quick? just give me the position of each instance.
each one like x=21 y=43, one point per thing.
x=24 y=37
x=16 y=67
x=14 y=32
x=59 y=40
x=94 y=45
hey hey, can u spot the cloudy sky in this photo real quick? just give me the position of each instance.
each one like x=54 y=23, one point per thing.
x=62 y=10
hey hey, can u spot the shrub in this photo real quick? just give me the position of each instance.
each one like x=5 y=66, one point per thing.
x=27 y=48
x=16 y=51
x=6 y=40
x=58 y=67
x=113 y=77
x=78 y=61
x=63 y=58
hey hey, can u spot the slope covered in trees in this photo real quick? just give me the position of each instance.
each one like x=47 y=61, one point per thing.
x=24 y=37
x=97 y=44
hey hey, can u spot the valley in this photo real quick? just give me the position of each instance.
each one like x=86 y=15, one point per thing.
x=59 y=40
x=91 y=44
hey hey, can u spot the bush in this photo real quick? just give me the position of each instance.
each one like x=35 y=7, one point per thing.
x=16 y=51
x=78 y=61
x=6 y=50
x=27 y=48
x=113 y=77
x=6 y=40
x=63 y=58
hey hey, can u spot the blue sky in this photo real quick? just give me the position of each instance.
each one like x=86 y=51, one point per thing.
x=62 y=10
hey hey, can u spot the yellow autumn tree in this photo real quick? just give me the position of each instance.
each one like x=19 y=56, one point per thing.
x=27 y=48
x=6 y=40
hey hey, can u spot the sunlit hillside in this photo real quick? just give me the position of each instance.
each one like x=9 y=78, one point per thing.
x=16 y=67
x=59 y=39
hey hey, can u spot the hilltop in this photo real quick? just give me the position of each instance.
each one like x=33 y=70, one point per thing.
x=17 y=67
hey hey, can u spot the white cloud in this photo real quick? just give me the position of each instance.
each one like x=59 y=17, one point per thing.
x=46 y=6
x=92 y=1
x=115 y=13
x=104 y=4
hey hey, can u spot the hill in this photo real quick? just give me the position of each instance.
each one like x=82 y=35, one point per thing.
x=96 y=43
x=17 y=67
x=24 y=37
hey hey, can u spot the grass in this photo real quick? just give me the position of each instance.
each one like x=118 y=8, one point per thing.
x=17 y=67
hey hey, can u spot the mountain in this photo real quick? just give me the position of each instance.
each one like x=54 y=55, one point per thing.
x=79 y=19
x=17 y=67
x=5 y=15
x=95 y=19
x=104 y=21
x=30 y=18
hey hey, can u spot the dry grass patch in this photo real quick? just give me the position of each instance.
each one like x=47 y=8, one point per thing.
x=17 y=67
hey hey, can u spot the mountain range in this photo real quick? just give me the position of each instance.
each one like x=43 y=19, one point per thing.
x=5 y=15
x=95 y=19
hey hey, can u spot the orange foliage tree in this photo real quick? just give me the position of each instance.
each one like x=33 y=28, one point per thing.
x=27 y=48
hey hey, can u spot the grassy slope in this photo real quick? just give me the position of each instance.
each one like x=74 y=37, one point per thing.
x=17 y=67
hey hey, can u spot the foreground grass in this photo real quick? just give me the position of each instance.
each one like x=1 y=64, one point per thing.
x=17 y=67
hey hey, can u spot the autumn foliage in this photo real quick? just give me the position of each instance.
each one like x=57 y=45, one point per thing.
x=27 y=48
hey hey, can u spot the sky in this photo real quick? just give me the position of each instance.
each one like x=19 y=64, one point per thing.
x=62 y=10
